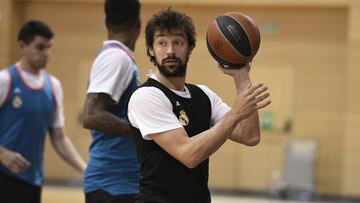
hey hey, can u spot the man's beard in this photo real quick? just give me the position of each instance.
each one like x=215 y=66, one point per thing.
x=178 y=70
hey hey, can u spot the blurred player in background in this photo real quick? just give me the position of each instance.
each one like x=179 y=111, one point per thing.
x=30 y=106
x=113 y=171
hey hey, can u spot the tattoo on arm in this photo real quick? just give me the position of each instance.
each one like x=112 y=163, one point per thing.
x=96 y=115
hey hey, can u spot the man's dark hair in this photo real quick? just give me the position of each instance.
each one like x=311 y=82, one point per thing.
x=34 y=28
x=121 y=14
x=169 y=20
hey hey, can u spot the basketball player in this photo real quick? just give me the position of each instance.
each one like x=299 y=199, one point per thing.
x=113 y=171
x=172 y=119
x=31 y=105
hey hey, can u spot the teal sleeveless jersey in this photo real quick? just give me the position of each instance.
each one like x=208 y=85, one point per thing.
x=113 y=165
x=25 y=117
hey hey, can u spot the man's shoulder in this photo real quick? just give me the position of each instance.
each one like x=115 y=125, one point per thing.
x=112 y=53
x=146 y=91
x=111 y=58
x=210 y=93
x=146 y=95
x=4 y=71
x=54 y=81
x=204 y=88
x=4 y=75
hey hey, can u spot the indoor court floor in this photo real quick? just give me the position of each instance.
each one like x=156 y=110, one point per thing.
x=57 y=194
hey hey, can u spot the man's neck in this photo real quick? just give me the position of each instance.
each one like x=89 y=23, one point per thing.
x=124 y=38
x=175 y=83
x=24 y=65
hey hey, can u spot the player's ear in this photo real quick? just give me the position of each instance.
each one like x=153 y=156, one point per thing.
x=138 y=23
x=190 y=50
x=151 y=52
x=21 y=44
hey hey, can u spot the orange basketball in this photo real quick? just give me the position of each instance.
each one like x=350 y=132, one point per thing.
x=233 y=39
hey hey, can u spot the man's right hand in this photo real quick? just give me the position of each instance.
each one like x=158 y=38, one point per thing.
x=251 y=99
x=234 y=71
x=14 y=161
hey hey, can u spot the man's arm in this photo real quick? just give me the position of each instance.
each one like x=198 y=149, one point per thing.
x=191 y=151
x=65 y=149
x=96 y=115
x=14 y=161
x=247 y=131
x=5 y=83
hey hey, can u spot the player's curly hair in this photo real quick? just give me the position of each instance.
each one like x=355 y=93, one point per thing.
x=169 y=20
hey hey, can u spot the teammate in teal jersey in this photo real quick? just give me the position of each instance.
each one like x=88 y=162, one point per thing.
x=113 y=171
x=31 y=106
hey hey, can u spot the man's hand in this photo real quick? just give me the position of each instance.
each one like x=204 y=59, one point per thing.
x=233 y=71
x=251 y=99
x=14 y=161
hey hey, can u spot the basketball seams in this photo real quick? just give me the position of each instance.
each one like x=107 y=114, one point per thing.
x=222 y=34
x=259 y=40
x=233 y=38
x=246 y=32
x=245 y=57
x=219 y=59
x=217 y=26
x=255 y=44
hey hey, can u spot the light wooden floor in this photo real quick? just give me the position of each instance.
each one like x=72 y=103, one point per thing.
x=52 y=194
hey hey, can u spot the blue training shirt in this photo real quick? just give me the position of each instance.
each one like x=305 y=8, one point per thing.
x=113 y=165
x=25 y=117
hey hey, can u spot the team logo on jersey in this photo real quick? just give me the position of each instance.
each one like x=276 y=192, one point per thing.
x=184 y=120
x=17 y=90
x=17 y=102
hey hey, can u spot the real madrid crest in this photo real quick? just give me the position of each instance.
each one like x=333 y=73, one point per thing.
x=184 y=120
x=17 y=102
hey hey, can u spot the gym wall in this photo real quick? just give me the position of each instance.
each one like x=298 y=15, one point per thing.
x=309 y=56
